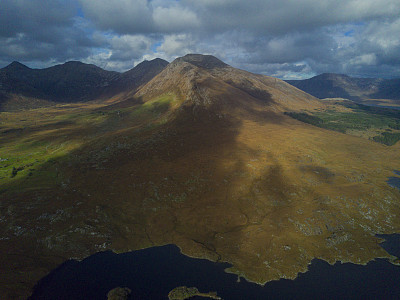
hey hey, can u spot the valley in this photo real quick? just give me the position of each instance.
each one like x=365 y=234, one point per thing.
x=200 y=155
x=374 y=123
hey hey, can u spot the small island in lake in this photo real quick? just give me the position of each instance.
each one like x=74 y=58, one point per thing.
x=119 y=293
x=183 y=292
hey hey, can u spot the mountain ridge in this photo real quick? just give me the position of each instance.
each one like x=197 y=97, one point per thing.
x=331 y=85
x=73 y=81
x=203 y=61
x=195 y=72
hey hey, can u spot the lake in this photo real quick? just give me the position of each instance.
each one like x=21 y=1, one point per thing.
x=151 y=273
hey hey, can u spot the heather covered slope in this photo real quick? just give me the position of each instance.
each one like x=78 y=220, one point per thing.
x=201 y=156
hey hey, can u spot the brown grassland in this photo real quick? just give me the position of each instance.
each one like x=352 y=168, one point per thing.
x=205 y=159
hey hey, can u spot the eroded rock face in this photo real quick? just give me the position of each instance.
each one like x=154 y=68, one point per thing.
x=119 y=293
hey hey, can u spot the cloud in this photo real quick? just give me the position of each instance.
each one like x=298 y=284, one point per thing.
x=122 y=16
x=129 y=48
x=42 y=32
x=301 y=38
x=286 y=16
x=175 y=19
x=26 y=16
x=384 y=39
x=177 y=45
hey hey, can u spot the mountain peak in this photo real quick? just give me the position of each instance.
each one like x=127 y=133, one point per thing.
x=146 y=65
x=154 y=62
x=15 y=65
x=72 y=64
x=203 y=61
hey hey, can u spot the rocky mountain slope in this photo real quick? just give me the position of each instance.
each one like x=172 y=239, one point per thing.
x=202 y=156
x=207 y=81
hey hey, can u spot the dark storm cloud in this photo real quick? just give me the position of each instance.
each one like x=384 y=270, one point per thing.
x=29 y=16
x=141 y=16
x=41 y=31
x=284 y=38
x=120 y=16
x=290 y=48
x=285 y=16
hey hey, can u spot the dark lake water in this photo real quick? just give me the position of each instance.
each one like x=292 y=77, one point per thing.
x=394 y=181
x=153 y=272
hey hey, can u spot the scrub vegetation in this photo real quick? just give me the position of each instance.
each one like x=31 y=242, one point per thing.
x=381 y=125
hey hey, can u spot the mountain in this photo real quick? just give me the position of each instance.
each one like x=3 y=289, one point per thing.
x=128 y=82
x=204 y=156
x=142 y=73
x=207 y=82
x=73 y=81
x=330 y=85
x=388 y=89
x=203 y=61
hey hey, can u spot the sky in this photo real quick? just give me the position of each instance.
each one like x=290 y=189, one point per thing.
x=288 y=39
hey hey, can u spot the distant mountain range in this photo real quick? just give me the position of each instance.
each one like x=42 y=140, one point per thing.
x=330 y=85
x=23 y=88
x=73 y=81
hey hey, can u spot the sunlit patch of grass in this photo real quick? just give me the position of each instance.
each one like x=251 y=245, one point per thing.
x=32 y=139
x=26 y=160
x=363 y=121
x=154 y=108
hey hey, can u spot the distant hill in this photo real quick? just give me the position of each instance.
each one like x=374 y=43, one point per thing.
x=73 y=81
x=139 y=75
x=330 y=85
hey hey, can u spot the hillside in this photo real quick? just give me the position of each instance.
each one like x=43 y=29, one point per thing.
x=71 y=82
x=204 y=156
x=330 y=85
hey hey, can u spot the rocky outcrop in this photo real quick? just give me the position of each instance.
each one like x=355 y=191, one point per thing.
x=183 y=292
x=119 y=293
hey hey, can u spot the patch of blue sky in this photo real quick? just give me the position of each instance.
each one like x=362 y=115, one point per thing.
x=80 y=12
x=155 y=46
x=98 y=50
x=349 y=33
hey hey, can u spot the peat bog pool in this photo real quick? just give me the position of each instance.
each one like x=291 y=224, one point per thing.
x=394 y=181
x=151 y=273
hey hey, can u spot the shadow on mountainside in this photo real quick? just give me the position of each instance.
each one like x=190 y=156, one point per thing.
x=128 y=188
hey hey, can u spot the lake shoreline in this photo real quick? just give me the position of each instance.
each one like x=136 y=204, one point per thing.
x=201 y=273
